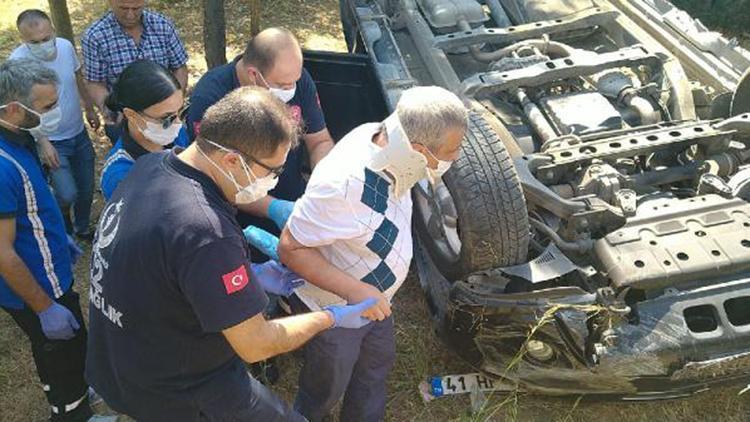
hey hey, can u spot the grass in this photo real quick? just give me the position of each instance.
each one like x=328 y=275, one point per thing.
x=420 y=354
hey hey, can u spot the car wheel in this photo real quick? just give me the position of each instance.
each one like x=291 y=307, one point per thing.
x=477 y=218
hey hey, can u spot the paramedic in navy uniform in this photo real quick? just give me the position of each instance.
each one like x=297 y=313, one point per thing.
x=175 y=306
x=272 y=60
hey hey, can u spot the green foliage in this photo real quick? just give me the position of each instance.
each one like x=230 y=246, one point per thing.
x=732 y=16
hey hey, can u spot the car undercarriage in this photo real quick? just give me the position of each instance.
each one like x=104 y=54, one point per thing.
x=594 y=235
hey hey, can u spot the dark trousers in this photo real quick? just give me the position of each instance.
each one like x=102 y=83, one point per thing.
x=59 y=363
x=350 y=363
x=255 y=403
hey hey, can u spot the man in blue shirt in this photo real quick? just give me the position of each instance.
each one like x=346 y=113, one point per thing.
x=36 y=275
x=272 y=60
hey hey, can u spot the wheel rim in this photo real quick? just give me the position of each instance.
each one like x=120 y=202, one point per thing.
x=436 y=209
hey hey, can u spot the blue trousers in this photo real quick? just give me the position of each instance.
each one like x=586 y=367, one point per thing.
x=349 y=363
x=73 y=182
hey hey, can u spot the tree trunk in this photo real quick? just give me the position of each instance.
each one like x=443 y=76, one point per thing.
x=214 y=33
x=255 y=13
x=61 y=19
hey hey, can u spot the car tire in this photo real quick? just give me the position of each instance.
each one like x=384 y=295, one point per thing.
x=488 y=208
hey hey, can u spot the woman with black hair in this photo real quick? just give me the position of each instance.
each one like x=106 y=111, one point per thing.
x=151 y=101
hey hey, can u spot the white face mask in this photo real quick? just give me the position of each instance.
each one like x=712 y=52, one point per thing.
x=258 y=187
x=284 y=95
x=157 y=134
x=44 y=51
x=406 y=165
x=48 y=122
x=443 y=166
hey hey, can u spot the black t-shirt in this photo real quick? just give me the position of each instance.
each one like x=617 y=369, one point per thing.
x=170 y=270
x=220 y=81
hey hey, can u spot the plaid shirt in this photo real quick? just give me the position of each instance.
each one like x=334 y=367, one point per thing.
x=108 y=49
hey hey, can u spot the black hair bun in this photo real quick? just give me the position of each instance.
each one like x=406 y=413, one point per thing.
x=113 y=103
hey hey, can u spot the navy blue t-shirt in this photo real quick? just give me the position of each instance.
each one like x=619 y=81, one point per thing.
x=220 y=81
x=304 y=106
x=170 y=270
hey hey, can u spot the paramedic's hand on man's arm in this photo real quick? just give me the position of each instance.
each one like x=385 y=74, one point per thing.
x=58 y=323
x=277 y=210
x=310 y=264
x=263 y=241
x=257 y=339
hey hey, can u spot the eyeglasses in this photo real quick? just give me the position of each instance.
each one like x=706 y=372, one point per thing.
x=276 y=171
x=167 y=121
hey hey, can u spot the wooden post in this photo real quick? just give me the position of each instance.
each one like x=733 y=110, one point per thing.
x=255 y=13
x=214 y=33
x=61 y=19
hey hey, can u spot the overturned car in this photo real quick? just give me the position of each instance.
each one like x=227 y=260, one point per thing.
x=594 y=236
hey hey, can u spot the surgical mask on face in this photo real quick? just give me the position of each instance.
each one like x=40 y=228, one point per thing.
x=406 y=165
x=48 y=122
x=443 y=166
x=258 y=187
x=284 y=95
x=160 y=136
x=43 y=51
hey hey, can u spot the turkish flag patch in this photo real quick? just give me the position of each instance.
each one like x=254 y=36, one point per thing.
x=236 y=280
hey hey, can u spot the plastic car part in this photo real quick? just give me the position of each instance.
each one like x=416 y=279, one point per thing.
x=581 y=113
x=676 y=241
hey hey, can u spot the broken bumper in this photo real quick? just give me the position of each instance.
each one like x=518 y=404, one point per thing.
x=675 y=345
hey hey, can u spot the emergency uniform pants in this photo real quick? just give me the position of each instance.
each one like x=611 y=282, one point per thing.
x=59 y=363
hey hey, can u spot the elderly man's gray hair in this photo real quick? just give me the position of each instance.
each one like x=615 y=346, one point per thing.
x=428 y=112
x=17 y=77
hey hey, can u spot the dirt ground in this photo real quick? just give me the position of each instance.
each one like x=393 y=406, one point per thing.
x=420 y=354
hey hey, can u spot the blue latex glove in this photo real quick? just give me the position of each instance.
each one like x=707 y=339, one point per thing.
x=58 y=323
x=276 y=278
x=350 y=316
x=75 y=250
x=263 y=240
x=279 y=211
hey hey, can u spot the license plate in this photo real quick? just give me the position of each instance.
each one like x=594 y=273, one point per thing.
x=466 y=383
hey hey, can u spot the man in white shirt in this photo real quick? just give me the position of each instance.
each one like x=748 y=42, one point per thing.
x=350 y=237
x=67 y=151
